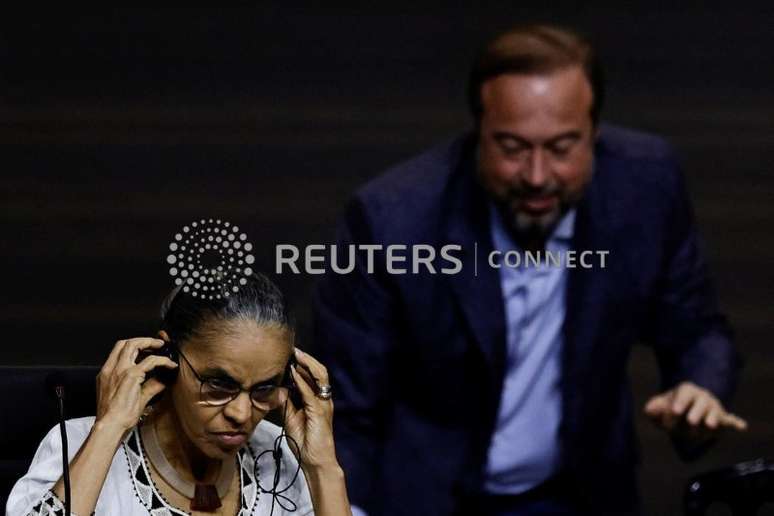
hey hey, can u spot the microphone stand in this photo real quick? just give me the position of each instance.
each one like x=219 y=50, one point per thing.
x=65 y=462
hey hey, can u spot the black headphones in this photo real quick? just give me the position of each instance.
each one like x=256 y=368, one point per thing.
x=276 y=491
x=165 y=375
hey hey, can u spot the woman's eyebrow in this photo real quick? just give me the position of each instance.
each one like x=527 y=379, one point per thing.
x=217 y=372
x=220 y=373
x=271 y=381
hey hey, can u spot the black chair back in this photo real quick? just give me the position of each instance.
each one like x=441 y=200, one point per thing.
x=29 y=411
x=743 y=488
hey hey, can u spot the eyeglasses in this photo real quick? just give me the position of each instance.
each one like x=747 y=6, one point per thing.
x=217 y=392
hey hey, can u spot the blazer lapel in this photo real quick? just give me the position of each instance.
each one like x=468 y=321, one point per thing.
x=477 y=286
x=587 y=305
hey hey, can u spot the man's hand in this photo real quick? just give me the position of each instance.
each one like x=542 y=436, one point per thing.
x=689 y=405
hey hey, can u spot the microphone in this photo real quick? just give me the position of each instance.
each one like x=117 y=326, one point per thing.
x=56 y=386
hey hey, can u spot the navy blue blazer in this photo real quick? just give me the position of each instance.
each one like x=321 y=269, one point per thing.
x=417 y=360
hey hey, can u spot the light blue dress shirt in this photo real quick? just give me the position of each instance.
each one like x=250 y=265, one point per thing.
x=524 y=450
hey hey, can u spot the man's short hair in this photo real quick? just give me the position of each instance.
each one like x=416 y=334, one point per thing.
x=536 y=50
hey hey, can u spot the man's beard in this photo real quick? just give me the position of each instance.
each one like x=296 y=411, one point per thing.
x=526 y=223
x=530 y=228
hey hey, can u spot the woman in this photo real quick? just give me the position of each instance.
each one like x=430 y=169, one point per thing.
x=180 y=423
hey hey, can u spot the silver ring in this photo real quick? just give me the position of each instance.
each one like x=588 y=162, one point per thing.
x=325 y=392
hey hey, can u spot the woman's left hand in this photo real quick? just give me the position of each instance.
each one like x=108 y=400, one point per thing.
x=311 y=426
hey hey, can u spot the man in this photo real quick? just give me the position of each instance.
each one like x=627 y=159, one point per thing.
x=504 y=390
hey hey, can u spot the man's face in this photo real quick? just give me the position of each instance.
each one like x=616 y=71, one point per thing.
x=536 y=146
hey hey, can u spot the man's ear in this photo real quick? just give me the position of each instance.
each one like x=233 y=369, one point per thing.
x=163 y=336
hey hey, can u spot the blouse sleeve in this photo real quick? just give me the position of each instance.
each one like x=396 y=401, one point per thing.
x=31 y=495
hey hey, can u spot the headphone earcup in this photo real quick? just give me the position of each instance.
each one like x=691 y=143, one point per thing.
x=290 y=384
x=169 y=376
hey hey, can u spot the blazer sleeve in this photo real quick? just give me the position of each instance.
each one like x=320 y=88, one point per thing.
x=355 y=338
x=692 y=339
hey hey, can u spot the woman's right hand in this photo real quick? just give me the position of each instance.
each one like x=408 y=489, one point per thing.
x=122 y=391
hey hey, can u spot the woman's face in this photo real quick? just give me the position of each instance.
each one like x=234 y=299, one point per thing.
x=236 y=351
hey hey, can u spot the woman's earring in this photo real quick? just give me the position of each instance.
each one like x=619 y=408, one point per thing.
x=146 y=413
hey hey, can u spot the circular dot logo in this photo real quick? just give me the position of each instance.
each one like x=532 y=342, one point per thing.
x=210 y=259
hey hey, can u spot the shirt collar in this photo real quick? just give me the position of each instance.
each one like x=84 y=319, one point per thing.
x=566 y=227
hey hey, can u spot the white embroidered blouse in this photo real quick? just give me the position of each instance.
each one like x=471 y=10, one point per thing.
x=130 y=491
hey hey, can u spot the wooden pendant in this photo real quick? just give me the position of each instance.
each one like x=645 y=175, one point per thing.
x=205 y=498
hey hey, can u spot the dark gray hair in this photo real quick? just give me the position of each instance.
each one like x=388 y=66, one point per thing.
x=259 y=300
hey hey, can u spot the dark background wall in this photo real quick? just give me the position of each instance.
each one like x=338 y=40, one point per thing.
x=119 y=127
